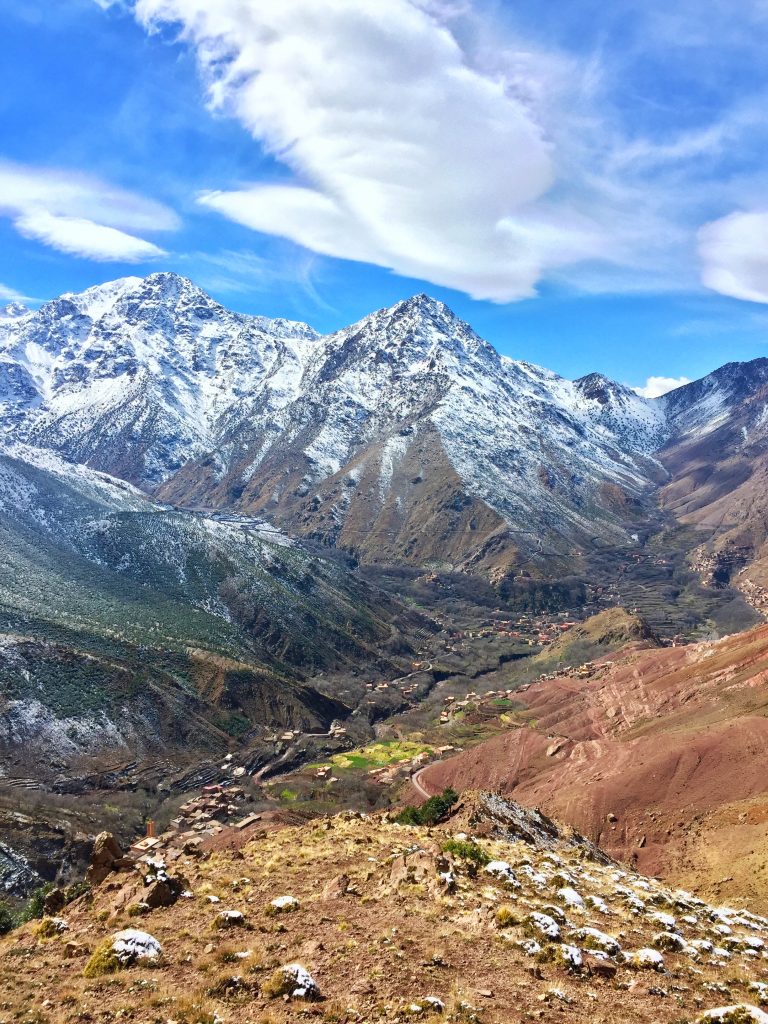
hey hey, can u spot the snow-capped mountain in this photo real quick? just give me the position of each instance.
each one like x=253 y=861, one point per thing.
x=412 y=437
x=12 y=311
x=404 y=436
x=138 y=376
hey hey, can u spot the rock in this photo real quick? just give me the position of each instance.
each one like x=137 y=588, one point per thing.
x=599 y=968
x=163 y=892
x=647 y=959
x=294 y=981
x=611 y=818
x=570 y=897
x=283 y=905
x=336 y=887
x=124 y=949
x=417 y=868
x=133 y=946
x=229 y=919
x=503 y=871
x=741 y=1013
x=594 y=939
x=105 y=858
x=54 y=902
x=542 y=926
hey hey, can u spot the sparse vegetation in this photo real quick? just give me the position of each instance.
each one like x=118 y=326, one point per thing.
x=467 y=849
x=433 y=811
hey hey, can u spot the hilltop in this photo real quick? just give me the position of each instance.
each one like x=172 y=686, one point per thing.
x=497 y=915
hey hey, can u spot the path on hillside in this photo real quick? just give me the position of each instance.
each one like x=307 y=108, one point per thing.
x=416 y=782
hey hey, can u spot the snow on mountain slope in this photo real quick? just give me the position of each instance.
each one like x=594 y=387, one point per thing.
x=137 y=376
x=706 y=405
x=412 y=434
x=106 y=567
x=404 y=435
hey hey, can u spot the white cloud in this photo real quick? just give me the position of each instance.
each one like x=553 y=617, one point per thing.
x=82 y=237
x=655 y=387
x=8 y=294
x=81 y=215
x=403 y=154
x=734 y=255
x=420 y=138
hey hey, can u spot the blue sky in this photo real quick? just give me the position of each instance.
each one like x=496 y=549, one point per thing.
x=586 y=184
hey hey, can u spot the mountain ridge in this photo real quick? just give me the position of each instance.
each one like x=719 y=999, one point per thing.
x=396 y=438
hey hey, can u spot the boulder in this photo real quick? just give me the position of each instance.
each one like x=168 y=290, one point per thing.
x=106 y=857
x=55 y=901
x=294 y=981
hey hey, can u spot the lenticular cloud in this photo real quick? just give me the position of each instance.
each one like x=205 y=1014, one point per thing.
x=403 y=155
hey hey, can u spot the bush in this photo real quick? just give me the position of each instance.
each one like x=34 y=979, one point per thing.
x=506 y=916
x=8 y=920
x=430 y=813
x=467 y=850
x=35 y=907
x=102 y=961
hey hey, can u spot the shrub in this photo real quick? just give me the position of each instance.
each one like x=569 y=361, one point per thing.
x=103 y=960
x=8 y=920
x=430 y=813
x=467 y=850
x=506 y=916
x=35 y=904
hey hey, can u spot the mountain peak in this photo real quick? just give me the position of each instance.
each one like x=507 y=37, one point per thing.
x=602 y=389
x=424 y=305
x=12 y=311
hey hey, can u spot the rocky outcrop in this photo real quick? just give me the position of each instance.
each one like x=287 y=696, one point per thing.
x=106 y=858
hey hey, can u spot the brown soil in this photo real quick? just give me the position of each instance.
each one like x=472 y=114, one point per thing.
x=670 y=743
x=379 y=930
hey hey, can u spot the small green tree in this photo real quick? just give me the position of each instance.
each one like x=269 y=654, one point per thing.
x=430 y=813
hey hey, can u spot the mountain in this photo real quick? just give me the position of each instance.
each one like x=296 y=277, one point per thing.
x=719 y=473
x=654 y=754
x=402 y=438
x=130 y=627
x=12 y=310
x=137 y=377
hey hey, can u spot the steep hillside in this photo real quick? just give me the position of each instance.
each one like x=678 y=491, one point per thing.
x=357 y=919
x=139 y=628
x=657 y=755
x=719 y=475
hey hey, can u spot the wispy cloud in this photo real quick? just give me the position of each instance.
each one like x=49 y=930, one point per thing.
x=81 y=215
x=8 y=294
x=243 y=272
x=421 y=139
x=655 y=387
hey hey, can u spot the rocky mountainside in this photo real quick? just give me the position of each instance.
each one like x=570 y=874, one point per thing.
x=719 y=475
x=128 y=627
x=496 y=915
x=655 y=754
x=404 y=437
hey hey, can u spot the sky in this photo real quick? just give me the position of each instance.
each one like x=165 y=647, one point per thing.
x=585 y=183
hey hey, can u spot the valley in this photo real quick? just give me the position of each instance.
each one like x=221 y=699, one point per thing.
x=252 y=576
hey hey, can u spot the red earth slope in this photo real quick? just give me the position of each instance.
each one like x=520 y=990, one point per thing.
x=662 y=759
